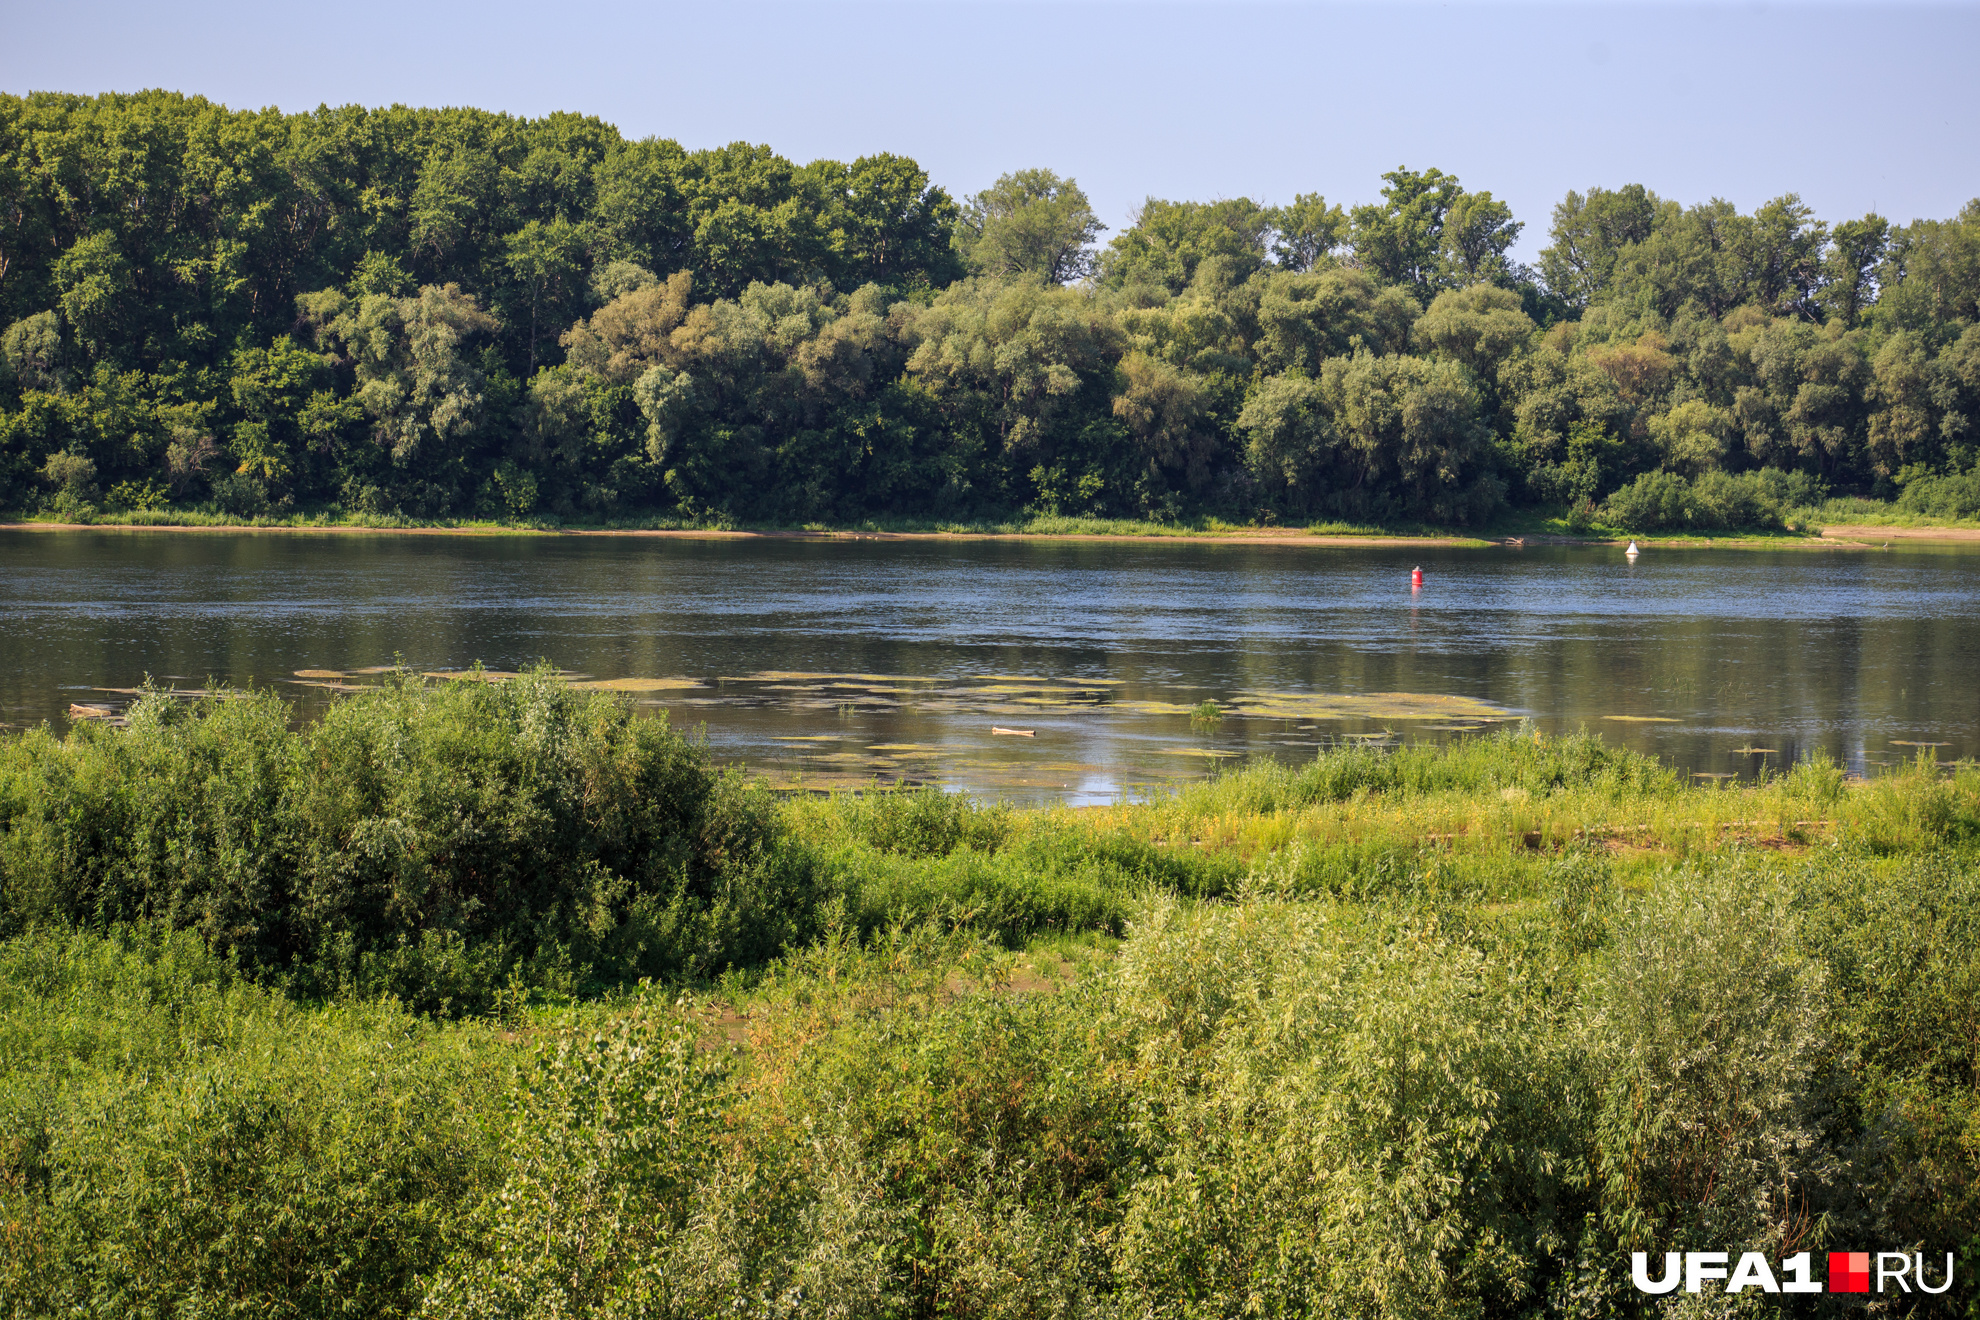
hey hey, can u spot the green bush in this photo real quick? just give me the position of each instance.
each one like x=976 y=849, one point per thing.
x=1897 y=943
x=1708 y=1026
x=607 y=1138
x=174 y=1141
x=1716 y=501
x=923 y=822
x=1953 y=496
x=1652 y=501
x=436 y=842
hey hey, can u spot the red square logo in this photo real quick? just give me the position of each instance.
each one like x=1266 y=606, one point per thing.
x=1849 y=1271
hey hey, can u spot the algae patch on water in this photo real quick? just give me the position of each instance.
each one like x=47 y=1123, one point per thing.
x=908 y=728
x=638 y=684
x=1281 y=705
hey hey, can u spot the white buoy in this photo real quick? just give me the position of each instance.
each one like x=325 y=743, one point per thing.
x=1632 y=552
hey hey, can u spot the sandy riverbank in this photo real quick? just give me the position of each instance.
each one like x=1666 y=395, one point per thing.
x=1830 y=537
x=1258 y=536
x=1881 y=534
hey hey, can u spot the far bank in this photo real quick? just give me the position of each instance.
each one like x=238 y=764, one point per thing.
x=1087 y=530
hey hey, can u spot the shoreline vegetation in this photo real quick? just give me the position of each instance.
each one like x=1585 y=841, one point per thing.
x=427 y=317
x=478 y=999
x=1529 y=532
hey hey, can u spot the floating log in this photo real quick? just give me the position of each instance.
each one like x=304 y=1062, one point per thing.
x=1014 y=733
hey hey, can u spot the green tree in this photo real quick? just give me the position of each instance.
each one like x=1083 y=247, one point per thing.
x=1029 y=222
x=1289 y=439
x=1167 y=412
x=1027 y=373
x=32 y=348
x=1402 y=238
x=1849 y=270
x=549 y=260
x=1305 y=233
x=416 y=376
x=752 y=219
x=1170 y=240
x=1712 y=255
x=1478 y=229
x=1411 y=437
x=1305 y=319
x=889 y=224
x=1589 y=234
x=1781 y=250
x=95 y=281
x=776 y=404
x=641 y=209
x=452 y=204
x=1808 y=404
x=1480 y=326
x=633 y=331
x=1930 y=278
x=272 y=388
x=1693 y=438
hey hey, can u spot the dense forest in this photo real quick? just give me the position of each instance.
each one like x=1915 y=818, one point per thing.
x=442 y=314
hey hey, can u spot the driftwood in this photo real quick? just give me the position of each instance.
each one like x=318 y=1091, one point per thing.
x=1015 y=733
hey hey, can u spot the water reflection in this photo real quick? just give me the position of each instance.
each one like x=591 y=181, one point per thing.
x=1692 y=655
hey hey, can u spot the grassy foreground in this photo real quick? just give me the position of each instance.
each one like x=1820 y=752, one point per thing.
x=490 y=1000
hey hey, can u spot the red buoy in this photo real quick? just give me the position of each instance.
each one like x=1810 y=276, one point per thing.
x=1415 y=577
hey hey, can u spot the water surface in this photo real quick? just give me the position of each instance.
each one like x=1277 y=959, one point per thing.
x=838 y=661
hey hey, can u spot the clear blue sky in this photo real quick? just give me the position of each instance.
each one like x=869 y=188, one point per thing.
x=1852 y=106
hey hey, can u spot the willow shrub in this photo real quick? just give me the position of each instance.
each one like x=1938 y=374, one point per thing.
x=1337 y=1116
x=1898 y=941
x=607 y=1137
x=441 y=843
x=177 y=1141
x=888 y=1149
x=1402 y=1109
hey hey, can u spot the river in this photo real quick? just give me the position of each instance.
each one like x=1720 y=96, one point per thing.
x=827 y=663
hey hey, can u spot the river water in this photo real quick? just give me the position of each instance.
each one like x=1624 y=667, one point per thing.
x=827 y=663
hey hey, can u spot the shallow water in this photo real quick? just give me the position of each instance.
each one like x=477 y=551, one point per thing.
x=837 y=662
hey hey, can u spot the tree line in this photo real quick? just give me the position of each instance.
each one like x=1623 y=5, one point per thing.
x=453 y=314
